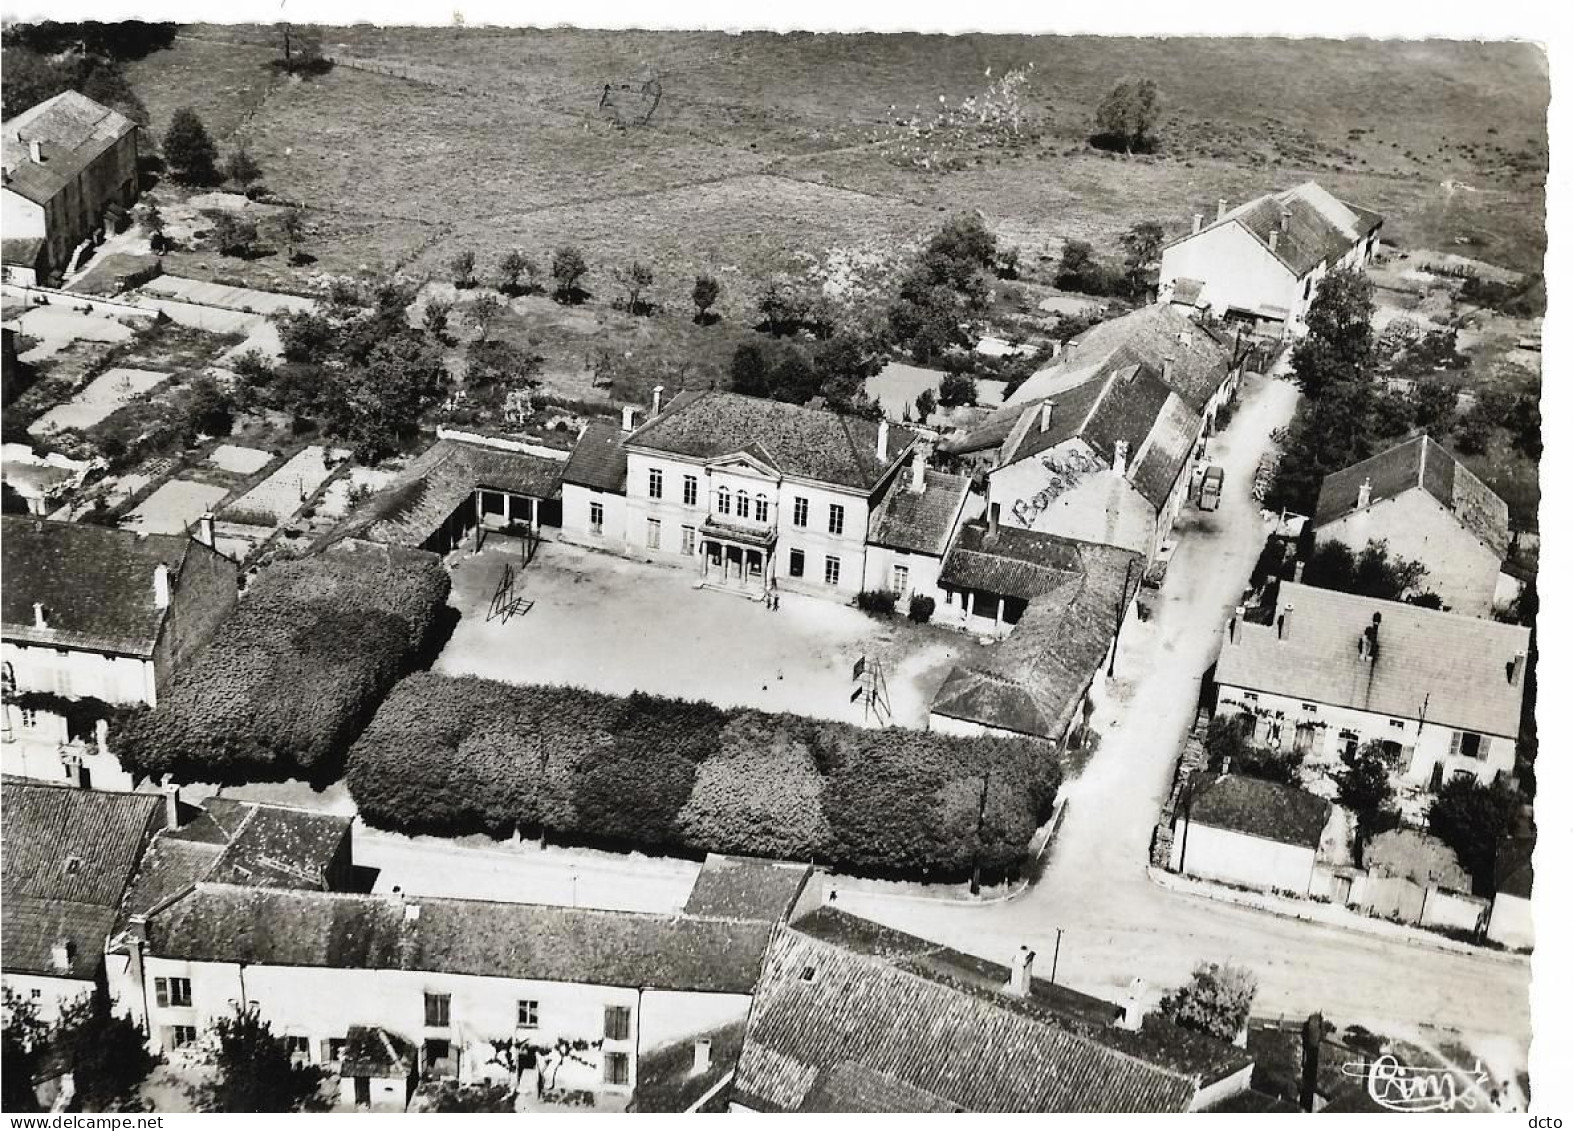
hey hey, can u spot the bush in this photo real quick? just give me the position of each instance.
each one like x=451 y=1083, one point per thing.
x=879 y=602
x=297 y=668
x=920 y=608
x=451 y=756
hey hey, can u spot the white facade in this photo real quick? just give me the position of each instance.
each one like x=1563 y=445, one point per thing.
x=21 y=218
x=1239 y=858
x=593 y=517
x=318 y=1006
x=49 y=996
x=1427 y=752
x=1511 y=923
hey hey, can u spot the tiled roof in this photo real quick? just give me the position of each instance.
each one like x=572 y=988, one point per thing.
x=95 y=583
x=226 y=923
x=740 y=887
x=598 y=459
x=1266 y=809
x=74 y=130
x=1076 y=593
x=69 y=856
x=1313 y=225
x=853 y=1016
x=919 y=523
x=1413 y=855
x=416 y=504
x=1447 y=669
x=806 y=443
x=666 y=1080
x=1200 y=356
x=1419 y=462
x=1252 y=1102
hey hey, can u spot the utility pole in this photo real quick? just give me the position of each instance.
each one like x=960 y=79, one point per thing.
x=1119 y=614
x=1054 y=967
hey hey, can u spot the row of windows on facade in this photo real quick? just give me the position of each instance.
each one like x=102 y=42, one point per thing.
x=742 y=503
x=1464 y=744
x=797 y=560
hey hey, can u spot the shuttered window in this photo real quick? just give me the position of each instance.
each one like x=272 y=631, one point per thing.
x=617 y=1019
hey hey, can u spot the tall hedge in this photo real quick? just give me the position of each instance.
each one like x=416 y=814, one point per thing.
x=295 y=671
x=455 y=755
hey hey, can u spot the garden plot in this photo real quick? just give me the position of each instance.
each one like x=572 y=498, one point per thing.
x=174 y=507
x=56 y=327
x=230 y=298
x=241 y=461
x=112 y=390
x=281 y=494
x=338 y=499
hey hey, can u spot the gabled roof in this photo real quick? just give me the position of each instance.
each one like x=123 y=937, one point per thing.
x=74 y=131
x=1440 y=667
x=796 y=441
x=1076 y=594
x=1419 y=463
x=598 y=459
x=95 y=583
x=1313 y=226
x=69 y=855
x=335 y=930
x=1201 y=357
x=416 y=504
x=743 y=887
x=921 y=524
x=853 y=1016
x=1267 y=809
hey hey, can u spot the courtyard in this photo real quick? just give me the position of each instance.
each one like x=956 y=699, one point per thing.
x=610 y=624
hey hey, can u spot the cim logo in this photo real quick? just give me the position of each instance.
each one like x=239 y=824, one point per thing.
x=1404 y=1087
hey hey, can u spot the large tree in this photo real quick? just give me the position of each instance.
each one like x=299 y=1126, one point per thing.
x=1217 y=1000
x=107 y=1053
x=568 y=268
x=1339 y=346
x=707 y=292
x=188 y=150
x=1128 y=115
x=1365 y=788
x=1143 y=249
x=1472 y=819
x=255 y=1070
x=1373 y=572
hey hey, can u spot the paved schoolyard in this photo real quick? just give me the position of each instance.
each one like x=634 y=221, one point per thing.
x=173 y=507
x=618 y=626
x=108 y=392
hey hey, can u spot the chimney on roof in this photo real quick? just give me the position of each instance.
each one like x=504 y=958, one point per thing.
x=205 y=530
x=655 y=400
x=1021 y=973
x=161 y=586
x=1196 y=223
x=1272 y=240
x=412 y=912
x=1224 y=765
x=1047 y=418
x=1283 y=216
x=40 y=615
x=63 y=952
x=628 y=418
x=1363 y=496
x=1284 y=618
x=920 y=463
x=1135 y=1007
x=1056 y=347
x=1168 y=369
x=171 y=806
x=1122 y=456
x=1370 y=639
x=1233 y=633
x=35 y=150
x=1223 y=206
x=994 y=521
x=1515 y=670
x=701 y=1056
x=883 y=451
x=1299 y=572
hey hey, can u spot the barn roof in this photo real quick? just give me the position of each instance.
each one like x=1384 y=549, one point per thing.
x=74 y=131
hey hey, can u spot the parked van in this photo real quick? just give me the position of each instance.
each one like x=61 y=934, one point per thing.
x=1211 y=493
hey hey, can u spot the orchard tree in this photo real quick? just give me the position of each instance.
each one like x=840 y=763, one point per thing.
x=1143 y=249
x=302 y=47
x=461 y=269
x=1128 y=115
x=925 y=405
x=513 y=267
x=188 y=150
x=241 y=167
x=1217 y=1000
x=707 y=292
x=291 y=226
x=435 y=318
x=956 y=389
x=568 y=268
x=234 y=235
x=484 y=310
x=255 y=1070
x=636 y=281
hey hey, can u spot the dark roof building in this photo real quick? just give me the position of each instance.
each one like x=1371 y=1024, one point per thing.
x=272 y=927
x=797 y=442
x=70 y=855
x=1076 y=594
x=852 y=1016
x=742 y=887
x=1255 y=807
x=1303 y=227
x=72 y=132
x=598 y=459
x=920 y=512
x=1418 y=464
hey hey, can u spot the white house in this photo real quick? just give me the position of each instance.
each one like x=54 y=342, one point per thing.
x=1333 y=671
x=1428 y=507
x=1247 y=831
x=753 y=494
x=93 y=617
x=912 y=528
x=1262 y=262
x=68 y=163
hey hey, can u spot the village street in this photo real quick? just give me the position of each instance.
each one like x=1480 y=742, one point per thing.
x=1116 y=922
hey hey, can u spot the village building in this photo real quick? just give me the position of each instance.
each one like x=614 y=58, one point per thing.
x=850 y=1016
x=913 y=527
x=70 y=857
x=94 y=617
x=70 y=171
x=1249 y=831
x=462 y=487
x=1512 y=921
x=42 y=480
x=752 y=494
x=1413 y=877
x=1428 y=507
x=1444 y=693
x=1261 y=263
x=1059 y=606
x=551 y=1000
